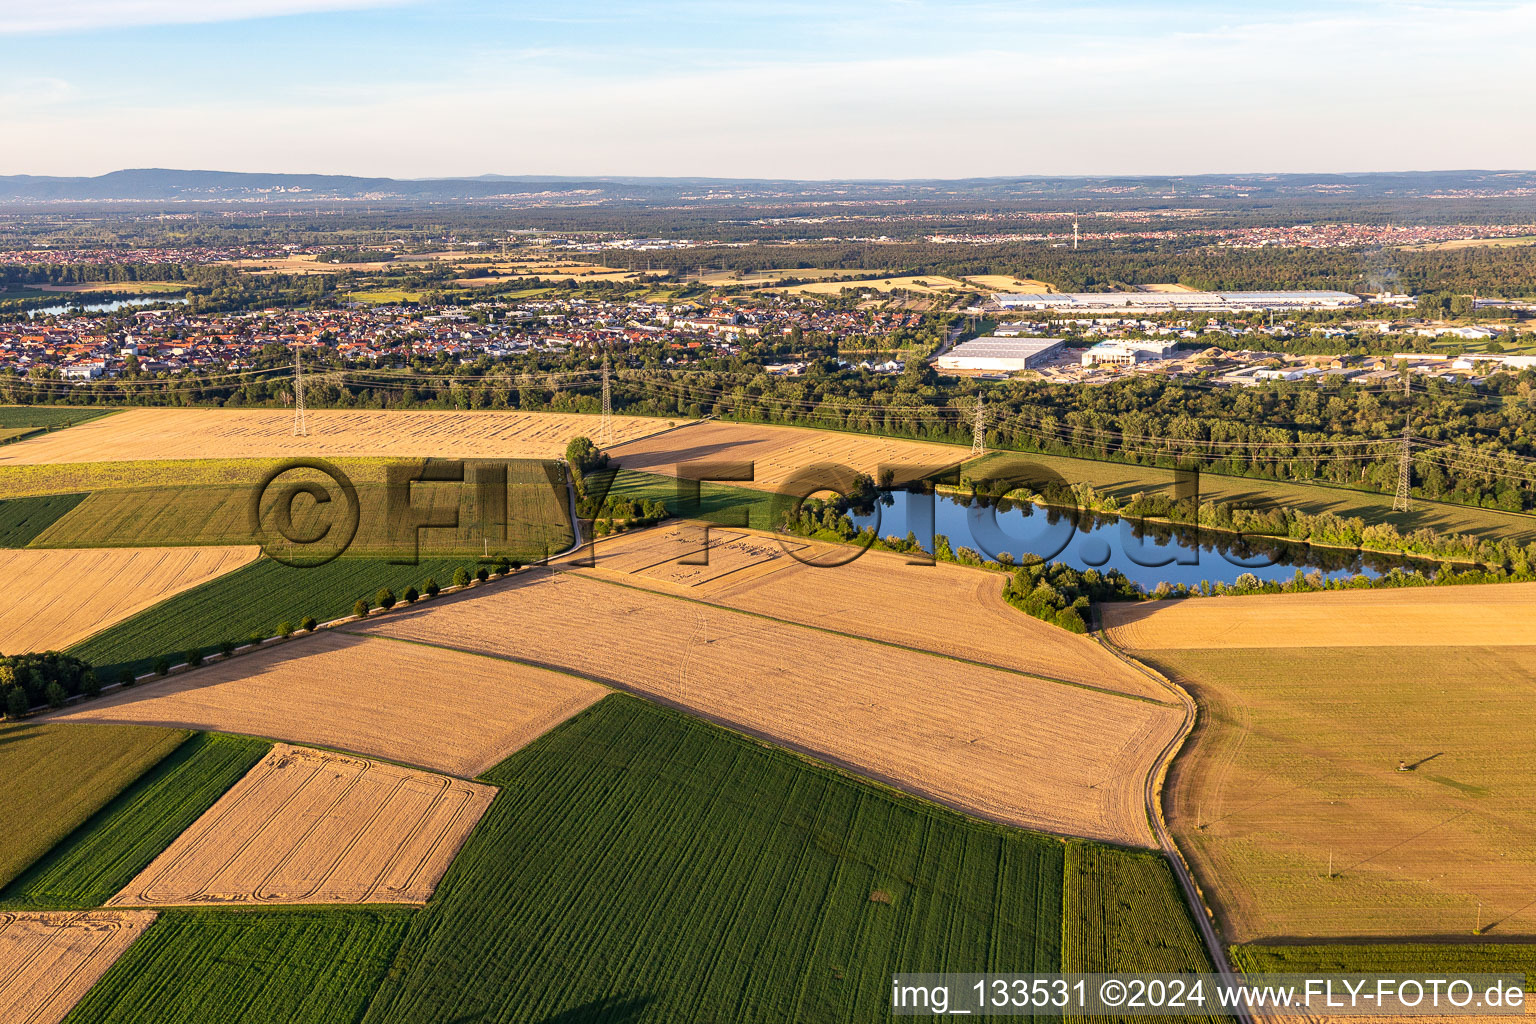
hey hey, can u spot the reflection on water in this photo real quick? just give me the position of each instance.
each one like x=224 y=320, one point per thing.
x=1148 y=553
x=106 y=307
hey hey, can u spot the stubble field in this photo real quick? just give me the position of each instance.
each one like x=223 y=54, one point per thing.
x=947 y=609
x=998 y=744
x=779 y=453
x=48 y=960
x=450 y=712
x=1289 y=799
x=147 y=434
x=55 y=598
x=1484 y=616
x=312 y=826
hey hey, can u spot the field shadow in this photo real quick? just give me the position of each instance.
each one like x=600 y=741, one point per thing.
x=673 y=457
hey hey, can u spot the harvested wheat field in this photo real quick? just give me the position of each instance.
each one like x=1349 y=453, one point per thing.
x=1002 y=745
x=947 y=609
x=312 y=826
x=1009 y=283
x=453 y=713
x=1406 y=766
x=54 y=598
x=778 y=453
x=48 y=960
x=146 y=434
x=1498 y=615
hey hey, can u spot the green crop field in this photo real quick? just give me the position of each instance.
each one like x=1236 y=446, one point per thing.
x=1122 y=911
x=1393 y=958
x=537 y=519
x=640 y=865
x=57 y=776
x=717 y=502
x=46 y=417
x=22 y=519
x=252 y=599
x=311 y=966
x=103 y=855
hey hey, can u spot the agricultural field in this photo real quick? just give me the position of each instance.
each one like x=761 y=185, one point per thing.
x=283 y=966
x=927 y=284
x=729 y=504
x=1121 y=481
x=314 y=826
x=57 y=776
x=1395 y=958
x=779 y=453
x=46 y=417
x=1376 y=784
x=198 y=433
x=116 y=843
x=251 y=601
x=49 y=960
x=57 y=598
x=641 y=865
x=1122 y=911
x=528 y=520
x=1486 y=616
x=448 y=711
x=995 y=743
x=1009 y=283
x=22 y=519
x=947 y=609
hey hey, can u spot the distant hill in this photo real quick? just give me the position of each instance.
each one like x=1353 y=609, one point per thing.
x=162 y=185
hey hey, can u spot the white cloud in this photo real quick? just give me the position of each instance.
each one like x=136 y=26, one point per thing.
x=23 y=16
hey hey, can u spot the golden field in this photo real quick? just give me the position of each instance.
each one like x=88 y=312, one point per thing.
x=1308 y=709
x=49 y=959
x=152 y=434
x=454 y=713
x=779 y=453
x=55 y=598
x=312 y=826
x=1498 y=616
x=991 y=742
x=947 y=609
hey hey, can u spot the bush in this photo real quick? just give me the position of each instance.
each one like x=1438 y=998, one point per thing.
x=56 y=695
x=461 y=577
x=309 y=624
x=385 y=598
x=126 y=677
x=411 y=596
x=194 y=657
x=361 y=608
x=502 y=567
x=227 y=647
x=482 y=574
x=285 y=629
x=16 y=702
x=162 y=665
x=90 y=683
x=1069 y=620
x=430 y=588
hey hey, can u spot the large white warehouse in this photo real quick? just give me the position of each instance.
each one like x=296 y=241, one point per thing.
x=1162 y=302
x=1008 y=355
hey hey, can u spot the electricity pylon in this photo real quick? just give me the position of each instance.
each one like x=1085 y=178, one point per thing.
x=605 y=432
x=979 y=431
x=299 y=427
x=1404 y=470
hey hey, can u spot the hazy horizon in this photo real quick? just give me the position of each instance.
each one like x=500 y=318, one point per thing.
x=773 y=89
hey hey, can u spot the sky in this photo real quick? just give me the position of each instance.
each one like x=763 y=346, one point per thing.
x=767 y=88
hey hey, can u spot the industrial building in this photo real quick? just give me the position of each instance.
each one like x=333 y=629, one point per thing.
x=1165 y=302
x=1128 y=351
x=1008 y=355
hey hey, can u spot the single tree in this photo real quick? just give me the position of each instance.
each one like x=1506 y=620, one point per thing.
x=309 y=624
x=361 y=608
x=385 y=598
